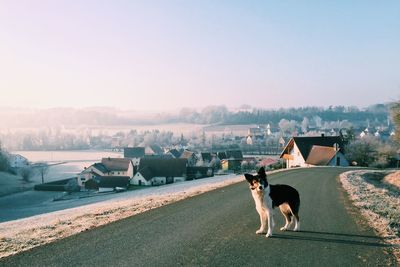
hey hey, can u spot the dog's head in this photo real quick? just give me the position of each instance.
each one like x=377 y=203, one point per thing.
x=257 y=182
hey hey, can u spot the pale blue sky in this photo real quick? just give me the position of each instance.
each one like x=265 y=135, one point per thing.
x=154 y=55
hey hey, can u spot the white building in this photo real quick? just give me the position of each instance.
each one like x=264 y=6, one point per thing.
x=314 y=151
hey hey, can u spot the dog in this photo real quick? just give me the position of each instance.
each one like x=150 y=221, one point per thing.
x=267 y=197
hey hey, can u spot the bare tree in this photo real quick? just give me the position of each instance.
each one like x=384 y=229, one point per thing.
x=395 y=112
x=305 y=124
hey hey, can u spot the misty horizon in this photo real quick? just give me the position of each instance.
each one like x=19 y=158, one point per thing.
x=166 y=55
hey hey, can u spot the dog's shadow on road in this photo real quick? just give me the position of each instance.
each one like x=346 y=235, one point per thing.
x=338 y=238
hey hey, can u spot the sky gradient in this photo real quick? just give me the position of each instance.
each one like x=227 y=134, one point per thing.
x=155 y=55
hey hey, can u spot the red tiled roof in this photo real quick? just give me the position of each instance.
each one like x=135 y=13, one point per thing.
x=116 y=164
x=321 y=155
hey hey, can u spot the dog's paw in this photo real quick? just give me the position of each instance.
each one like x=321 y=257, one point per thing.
x=284 y=228
x=268 y=235
x=260 y=231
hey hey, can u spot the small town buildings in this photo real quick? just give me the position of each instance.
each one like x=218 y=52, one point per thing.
x=92 y=172
x=118 y=167
x=154 y=150
x=134 y=154
x=297 y=151
x=108 y=167
x=221 y=155
x=175 y=153
x=231 y=164
x=159 y=171
x=206 y=157
x=190 y=156
x=232 y=160
x=256 y=133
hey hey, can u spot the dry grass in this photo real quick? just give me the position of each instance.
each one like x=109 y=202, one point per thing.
x=379 y=203
x=24 y=234
x=393 y=179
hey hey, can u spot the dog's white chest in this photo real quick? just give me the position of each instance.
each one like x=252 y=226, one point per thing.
x=262 y=199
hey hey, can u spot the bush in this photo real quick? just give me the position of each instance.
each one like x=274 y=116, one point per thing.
x=371 y=152
x=4 y=163
x=26 y=173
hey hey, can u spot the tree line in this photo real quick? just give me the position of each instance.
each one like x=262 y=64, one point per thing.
x=208 y=115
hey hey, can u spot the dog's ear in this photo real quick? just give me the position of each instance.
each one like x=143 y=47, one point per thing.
x=249 y=177
x=261 y=173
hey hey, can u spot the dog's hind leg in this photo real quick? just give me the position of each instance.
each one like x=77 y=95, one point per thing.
x=287 y=213
x=297 y=222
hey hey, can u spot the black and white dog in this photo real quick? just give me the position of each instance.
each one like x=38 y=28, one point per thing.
x=268 y=196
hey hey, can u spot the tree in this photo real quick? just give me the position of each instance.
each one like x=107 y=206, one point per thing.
x=305 y=124
x=363 y=151
x=395 y=113
x=287 y=126
x=4 y=162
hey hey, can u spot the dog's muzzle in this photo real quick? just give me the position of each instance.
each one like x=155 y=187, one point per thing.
x=255 y=187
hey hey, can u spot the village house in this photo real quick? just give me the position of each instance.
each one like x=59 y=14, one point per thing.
x=190 y=156
x=134 y=154
x=175 y=153
x=118 y=166
x=326 y=156
x=232 y=165
x=314 y=151
x=154 y=150
x=206 y=157
x=233 y=160
x=255 y=135
x=111 y=167
x=159 y=171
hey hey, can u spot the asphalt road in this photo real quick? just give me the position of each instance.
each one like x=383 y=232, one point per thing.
x=218 y=229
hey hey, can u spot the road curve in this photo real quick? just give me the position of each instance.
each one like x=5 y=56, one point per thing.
x=218 y=229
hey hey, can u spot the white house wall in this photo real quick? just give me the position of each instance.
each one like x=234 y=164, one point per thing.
x=138 y=177
x=87 y=174
x=298 y=160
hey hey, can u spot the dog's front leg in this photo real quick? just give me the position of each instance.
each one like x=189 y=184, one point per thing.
x=263 y=221
x=271 y=222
